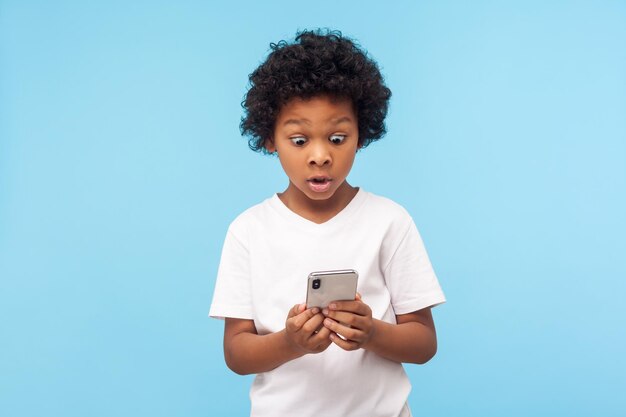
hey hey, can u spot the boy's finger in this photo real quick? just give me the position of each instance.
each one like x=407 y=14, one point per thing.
x=352 y=306
x=345 y=317
x=304 y=316
x=348 y=332
x=313 y=323
x=344 y=344
x=296 y=309
x=293 y=311
x=321 y=336
x=322 y=345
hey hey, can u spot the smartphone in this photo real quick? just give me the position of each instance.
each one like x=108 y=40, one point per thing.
x=327 y=286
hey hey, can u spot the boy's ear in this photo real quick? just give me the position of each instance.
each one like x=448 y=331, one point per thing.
x=269 y=145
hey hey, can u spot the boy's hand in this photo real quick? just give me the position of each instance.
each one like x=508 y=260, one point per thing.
x=304 y=330
x=352 y=320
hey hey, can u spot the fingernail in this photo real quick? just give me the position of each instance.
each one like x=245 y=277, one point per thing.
x=332 y=306
x=316 y=310
x=325 y=311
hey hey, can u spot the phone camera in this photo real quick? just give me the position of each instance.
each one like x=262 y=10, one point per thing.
x=317 y=283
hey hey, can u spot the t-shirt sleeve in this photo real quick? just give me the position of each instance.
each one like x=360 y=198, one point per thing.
x=232 y=297
x=410 y=277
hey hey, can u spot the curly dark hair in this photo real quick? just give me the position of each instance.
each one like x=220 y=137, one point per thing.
x=317 y=63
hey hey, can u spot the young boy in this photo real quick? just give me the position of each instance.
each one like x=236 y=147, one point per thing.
x=314 y=103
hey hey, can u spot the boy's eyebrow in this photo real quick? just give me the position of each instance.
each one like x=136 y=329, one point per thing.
x=341 y=120
x=299 y=122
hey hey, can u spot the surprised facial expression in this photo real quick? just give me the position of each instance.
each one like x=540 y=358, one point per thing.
x=316 y=140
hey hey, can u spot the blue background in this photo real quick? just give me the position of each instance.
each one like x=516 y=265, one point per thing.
x=121 y=166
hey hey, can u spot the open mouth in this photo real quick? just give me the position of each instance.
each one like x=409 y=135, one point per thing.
x=319 y=184
x=320 y=180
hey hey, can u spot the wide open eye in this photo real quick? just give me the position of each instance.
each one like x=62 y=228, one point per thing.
x=298 y=140
x=337 y=139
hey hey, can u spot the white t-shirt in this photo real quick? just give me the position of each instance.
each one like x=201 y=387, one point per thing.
x=267 y=256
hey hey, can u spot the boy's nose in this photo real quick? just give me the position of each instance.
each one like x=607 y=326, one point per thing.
x=319 y=156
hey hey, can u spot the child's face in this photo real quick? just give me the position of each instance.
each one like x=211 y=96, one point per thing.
x=316 y=140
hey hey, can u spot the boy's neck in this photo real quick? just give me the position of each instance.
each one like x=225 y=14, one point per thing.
x=317 y=211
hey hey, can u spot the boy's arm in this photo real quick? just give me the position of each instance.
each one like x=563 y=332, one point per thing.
x=413 y=339
x=247 y=352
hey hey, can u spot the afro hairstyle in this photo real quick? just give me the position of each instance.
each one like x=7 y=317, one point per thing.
x=316 y=63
